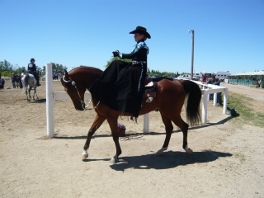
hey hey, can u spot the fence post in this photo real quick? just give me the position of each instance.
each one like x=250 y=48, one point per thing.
x=215 y=99
x=225 y=100
x=49 y=101
x=146 y=123
x=204 y=106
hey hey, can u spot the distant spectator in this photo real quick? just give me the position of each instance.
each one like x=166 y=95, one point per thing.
x=209 y=80
x=17 y=81
x=219 y=95
x=213 y=79
x=2 y=82
x=203 y=79
x=13 y=80
x=22 y=74
x=259 y=82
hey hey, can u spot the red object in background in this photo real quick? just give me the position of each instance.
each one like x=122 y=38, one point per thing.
x=121 y=130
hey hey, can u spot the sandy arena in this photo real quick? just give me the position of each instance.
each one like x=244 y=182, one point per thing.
x=228 y=158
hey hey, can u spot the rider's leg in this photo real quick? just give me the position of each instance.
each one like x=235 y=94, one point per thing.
x=37 y=78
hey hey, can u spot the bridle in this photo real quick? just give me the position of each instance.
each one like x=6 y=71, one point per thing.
x=80 y=99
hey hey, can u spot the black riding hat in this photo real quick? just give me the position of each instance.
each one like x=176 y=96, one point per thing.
x=141 y=30
x=32 y=59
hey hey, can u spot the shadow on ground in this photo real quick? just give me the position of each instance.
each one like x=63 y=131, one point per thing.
x=167 y=160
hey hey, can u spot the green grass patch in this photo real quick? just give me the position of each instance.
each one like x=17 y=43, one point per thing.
x=243 y=106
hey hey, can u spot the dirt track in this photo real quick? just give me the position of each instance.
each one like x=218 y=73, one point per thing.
x=228 y=158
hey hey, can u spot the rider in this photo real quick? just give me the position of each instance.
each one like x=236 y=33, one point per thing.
x=32 y=69
x=121 y=85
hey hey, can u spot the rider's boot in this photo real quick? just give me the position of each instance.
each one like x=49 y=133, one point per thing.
x=38 y=83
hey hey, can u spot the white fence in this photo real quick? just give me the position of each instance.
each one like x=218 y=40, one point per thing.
x=208 y=89
x=52 y=96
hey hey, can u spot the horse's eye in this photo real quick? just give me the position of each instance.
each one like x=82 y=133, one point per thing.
x=73 y=83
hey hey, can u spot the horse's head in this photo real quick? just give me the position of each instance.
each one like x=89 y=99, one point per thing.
x=74 y=89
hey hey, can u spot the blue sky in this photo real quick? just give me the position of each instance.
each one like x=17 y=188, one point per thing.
x=228 y=33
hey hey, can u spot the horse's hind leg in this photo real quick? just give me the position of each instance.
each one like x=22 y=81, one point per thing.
x=96 y=124
x=184 y=128
x=35 y=93
x=27 y=93
x=29 y=90
x=112 y=121
x=168 y=128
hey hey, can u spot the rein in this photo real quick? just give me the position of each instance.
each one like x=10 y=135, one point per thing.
x=83 y=104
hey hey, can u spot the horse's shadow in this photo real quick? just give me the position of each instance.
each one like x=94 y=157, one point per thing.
x=36 y=101
x=170 y=159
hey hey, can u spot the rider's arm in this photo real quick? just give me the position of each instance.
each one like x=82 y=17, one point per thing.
x=139 y=52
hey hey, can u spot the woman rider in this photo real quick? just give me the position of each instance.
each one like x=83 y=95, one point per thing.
x=121 y=85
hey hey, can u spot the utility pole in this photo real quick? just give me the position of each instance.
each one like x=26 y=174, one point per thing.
x=192 y=31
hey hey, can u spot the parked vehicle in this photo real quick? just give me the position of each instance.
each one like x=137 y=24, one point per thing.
x=221 y=75
x=184 y=77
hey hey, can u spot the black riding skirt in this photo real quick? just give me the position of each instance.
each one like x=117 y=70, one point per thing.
x=121 y=86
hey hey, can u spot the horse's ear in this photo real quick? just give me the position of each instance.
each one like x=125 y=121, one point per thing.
x=66 y=74
x=61 y=73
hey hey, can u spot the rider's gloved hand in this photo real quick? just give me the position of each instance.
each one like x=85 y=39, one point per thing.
x=116 y=53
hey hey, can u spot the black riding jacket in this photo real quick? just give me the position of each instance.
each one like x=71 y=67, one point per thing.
x=32 y=67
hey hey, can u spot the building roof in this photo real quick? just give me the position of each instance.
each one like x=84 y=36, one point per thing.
x=258 y=73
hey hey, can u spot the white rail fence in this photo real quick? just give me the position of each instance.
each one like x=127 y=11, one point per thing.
x=52 y=96
x=208 y=89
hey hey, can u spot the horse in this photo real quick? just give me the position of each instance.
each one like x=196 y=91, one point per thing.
x=170 y=97
x=29 y=82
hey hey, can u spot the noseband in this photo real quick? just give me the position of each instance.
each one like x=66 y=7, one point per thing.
x=80 y=99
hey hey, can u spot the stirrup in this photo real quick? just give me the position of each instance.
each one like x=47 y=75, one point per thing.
x=149 y=99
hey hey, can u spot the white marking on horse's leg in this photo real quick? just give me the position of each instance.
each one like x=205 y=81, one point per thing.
x=188 y=150
x=114 y=160
x=84 y=154
x=159 y=152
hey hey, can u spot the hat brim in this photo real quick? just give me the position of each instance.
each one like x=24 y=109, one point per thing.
x=141 y=32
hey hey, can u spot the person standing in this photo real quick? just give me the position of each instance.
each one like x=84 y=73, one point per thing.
x=22 y=74
x=32 y=69
x=13 y=80
x=2 y=82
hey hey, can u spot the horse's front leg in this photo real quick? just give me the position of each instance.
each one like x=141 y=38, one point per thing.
x=112 y=121
x=96 y=124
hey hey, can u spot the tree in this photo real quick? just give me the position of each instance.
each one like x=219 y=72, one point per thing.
x=112 y=59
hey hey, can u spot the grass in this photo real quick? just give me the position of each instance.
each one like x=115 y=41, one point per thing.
x=247 y=114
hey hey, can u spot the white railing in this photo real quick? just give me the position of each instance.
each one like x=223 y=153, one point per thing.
x=208 y=89
x=52 y=96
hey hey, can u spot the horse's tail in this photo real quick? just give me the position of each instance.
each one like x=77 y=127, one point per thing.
x=194 y=94
x=25 y=82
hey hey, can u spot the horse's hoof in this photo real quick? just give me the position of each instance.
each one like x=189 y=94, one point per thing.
x=84 y=156
x=159 y=152
x=188 y=150
x=113 y=160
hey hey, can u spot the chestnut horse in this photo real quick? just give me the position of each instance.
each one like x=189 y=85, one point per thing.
x=170 y=98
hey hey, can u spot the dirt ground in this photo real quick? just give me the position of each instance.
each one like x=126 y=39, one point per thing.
x=228 y=158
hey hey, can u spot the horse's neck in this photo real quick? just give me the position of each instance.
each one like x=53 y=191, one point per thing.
x=88 y=77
